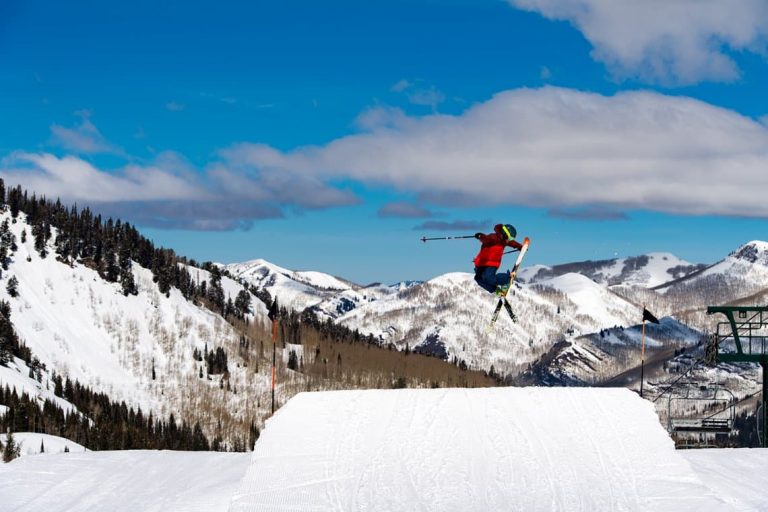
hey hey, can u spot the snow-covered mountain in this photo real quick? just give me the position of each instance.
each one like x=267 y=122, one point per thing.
x=135 y=348
x=326 y=295
x=564 y=306
x=744 y=270
x=647 y=270
x=295 y=290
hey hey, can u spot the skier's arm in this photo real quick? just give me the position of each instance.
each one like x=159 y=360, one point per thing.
x=514 y=244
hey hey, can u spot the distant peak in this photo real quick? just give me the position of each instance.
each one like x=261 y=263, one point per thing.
x=755 y=251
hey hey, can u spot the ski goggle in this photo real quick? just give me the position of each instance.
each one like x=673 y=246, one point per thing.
x=507 y=233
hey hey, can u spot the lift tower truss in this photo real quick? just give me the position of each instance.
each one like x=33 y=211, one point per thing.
x=743 y=338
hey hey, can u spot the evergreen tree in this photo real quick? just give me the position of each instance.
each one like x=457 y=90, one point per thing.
x=127 y=281
x=111 y=270
x=14 y=201
x=13 y=287
x=39 y=234
x=293 y=361
x=12 y=449
x=243 y=303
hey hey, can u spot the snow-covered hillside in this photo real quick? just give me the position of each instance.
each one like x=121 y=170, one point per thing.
x=33 y=443
x=448 y=317
x=137 y=348
x=295 y=290
x=747 y=266
x=647 y=270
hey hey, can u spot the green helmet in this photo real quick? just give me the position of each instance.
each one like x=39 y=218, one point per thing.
x=508 y=231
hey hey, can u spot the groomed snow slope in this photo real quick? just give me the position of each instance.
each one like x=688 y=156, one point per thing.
x=737 y=474
x=524 y=449
x=127 y=481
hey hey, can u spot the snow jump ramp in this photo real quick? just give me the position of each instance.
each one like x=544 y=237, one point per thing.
x=492 y=449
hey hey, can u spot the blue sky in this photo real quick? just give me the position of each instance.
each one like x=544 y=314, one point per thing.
x=333 y=135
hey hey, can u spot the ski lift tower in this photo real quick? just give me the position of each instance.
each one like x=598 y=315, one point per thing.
x=743 y=338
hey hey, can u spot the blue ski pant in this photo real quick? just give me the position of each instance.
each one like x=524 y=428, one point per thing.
x=488 y=278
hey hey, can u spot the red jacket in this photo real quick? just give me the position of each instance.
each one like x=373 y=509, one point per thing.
x=493 y=249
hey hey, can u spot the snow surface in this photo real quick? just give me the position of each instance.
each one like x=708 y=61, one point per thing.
x=121 y=481
x=738 y=474
x=30 y=442
x=526 y=449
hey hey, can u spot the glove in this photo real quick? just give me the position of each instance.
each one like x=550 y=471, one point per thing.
x=478 y=235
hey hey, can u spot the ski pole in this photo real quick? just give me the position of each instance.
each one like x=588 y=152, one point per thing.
x=425 y=239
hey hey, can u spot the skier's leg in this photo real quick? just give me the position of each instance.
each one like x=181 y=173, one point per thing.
x=502 y=278
x=486 y=278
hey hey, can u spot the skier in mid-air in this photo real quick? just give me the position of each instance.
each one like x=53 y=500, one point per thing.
x=488 y=260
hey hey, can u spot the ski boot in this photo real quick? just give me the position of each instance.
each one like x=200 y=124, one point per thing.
x=501 y=290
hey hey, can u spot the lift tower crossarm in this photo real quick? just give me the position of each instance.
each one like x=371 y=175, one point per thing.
x=753 y=317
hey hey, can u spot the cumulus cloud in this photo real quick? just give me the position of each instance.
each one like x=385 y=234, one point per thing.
x=555 y=148
x=676 y=42
x=404 y=210
x=83 y=138
x=170 y=193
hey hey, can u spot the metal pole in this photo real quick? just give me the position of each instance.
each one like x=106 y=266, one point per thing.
x=642 y=361
x=764 y=426
x=425 y=239
x=274 y=360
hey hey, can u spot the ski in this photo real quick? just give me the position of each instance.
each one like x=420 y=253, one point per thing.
x=512 y=274
x=508 y=307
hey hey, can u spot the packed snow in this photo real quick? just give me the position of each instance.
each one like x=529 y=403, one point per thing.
x=737 y=474
x=122 y=481
x=527 y=449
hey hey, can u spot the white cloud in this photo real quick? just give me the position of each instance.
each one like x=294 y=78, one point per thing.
x=664 y=41
x=428 y=97
x=554 y=148
x=83 y=138
x=170 y=193
x=401 y=85
x=175 y=107
x=572 y=152
x=77 y=180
